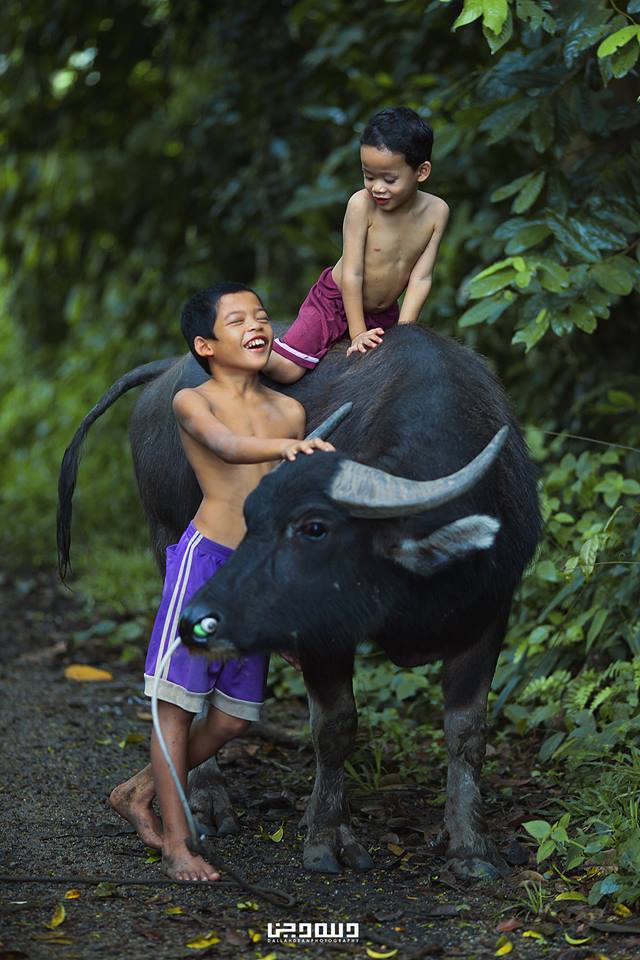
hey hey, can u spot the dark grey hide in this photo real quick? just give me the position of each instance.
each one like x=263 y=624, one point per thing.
x=331 y=558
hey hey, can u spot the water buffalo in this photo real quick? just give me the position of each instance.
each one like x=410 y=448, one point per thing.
x=356 y=545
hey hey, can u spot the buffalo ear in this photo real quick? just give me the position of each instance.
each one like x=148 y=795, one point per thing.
x=444 y=546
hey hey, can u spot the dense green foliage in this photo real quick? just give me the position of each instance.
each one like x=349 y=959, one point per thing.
x=148 y=148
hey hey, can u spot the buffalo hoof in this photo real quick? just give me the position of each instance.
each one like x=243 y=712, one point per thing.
x=210 y=804
x=475 y=868
x=334 y=850
x=214 y=821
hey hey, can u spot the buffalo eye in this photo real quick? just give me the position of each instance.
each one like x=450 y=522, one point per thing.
x=313 y=530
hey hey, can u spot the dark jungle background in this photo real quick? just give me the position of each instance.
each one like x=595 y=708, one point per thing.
x=148 y=148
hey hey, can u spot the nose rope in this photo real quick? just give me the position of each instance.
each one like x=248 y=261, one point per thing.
x=195 y=837
x=195 y=841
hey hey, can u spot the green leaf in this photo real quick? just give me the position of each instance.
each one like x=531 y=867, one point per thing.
x=471 y=11
x=588 y=555
x=539 y=829
x=494 y=14
x=550 y=746
x=603 y=888
x=497 y=40
x=529 y=193
x=546 y=848
x=486 y=285
x=546 y=570
x=554 y=276
x=532 y=12
x=510 y=188
x=507 y=119
x=542 y=127
x=624 y=60
x=526 y=238
x=614 y=275
x=533 y=332
x=485 y=311
x=618 y=39
x=597 y=624
x=582 y=317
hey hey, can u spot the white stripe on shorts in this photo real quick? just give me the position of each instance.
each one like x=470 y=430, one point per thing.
x=175 y=604
x=296 y=353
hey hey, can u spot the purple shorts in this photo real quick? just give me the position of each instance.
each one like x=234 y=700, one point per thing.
x=236 y=687
x=321 y=321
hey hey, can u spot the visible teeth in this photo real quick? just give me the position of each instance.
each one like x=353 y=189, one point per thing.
x=256 y=343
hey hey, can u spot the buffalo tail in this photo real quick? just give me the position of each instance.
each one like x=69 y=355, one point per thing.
x=71 y=459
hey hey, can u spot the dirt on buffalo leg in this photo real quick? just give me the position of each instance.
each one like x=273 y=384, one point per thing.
x=330 y=841
x=466 y=682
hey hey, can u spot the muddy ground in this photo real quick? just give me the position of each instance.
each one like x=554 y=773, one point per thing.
x=66 y=743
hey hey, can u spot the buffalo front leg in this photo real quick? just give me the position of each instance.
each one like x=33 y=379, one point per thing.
x=209 y=800
x=330 y=842
x=466 y=681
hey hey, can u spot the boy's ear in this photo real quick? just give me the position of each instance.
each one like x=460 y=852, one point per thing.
x=203 y=346
x=423 y=171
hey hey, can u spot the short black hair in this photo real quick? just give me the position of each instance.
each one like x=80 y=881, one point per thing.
x=400 y=130
x=200 y=312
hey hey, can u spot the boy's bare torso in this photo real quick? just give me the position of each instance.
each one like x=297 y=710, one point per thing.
x=258 y=412
x=394 y=242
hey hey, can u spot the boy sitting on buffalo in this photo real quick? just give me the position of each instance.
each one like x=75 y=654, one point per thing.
x=233 y=429
x=391 y=234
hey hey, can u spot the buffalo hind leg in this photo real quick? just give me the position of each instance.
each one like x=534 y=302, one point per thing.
x=330 y=842
x=466 y=681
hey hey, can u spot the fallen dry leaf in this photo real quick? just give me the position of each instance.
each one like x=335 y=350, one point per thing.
x=83 y=673
x=58 y=917
x=207 y=940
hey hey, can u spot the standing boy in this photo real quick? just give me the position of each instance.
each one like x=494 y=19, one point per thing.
x=391 y=234
x=233 y=429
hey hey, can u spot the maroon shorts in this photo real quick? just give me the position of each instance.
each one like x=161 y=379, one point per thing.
x=321 y=321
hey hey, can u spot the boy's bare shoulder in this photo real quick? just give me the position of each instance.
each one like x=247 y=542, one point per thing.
x=360 y=203
x=290 y=408
x=189 y=396
x=434 y=207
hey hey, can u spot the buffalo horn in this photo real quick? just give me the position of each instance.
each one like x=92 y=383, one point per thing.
x=367 y=492
x=329 y=425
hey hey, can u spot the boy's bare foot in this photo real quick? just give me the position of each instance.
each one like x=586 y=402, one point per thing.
x=180 y=864
x=133 y=803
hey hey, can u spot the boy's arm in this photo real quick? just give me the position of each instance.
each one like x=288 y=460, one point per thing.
x=354 y=235
x=194 y=415
x=421 y=276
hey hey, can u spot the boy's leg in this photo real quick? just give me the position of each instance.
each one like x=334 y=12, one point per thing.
x=132 y=799
x=282 y=370
x=210 y=733
x=178 y=861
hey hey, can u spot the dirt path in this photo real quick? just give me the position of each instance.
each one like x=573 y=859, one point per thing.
x=65 y=744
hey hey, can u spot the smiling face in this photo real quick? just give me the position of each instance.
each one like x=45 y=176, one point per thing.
x=388 y=178
x=242 y=334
